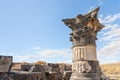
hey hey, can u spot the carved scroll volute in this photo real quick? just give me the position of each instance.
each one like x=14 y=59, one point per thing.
x=92 y=20
x=84 y=28
x=70 y=23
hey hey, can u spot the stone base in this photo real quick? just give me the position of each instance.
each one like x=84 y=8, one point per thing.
x=85 y=76
x=94 y=74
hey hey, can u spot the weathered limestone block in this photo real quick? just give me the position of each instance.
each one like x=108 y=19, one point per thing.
x=3 y=76
x=84 y=53
x=67 y=75
x=5 y=64
x=52 y=76
x=16 y=66
x=59 y=67
x=53 y=67
x=58 y=71
x=26 y=76
x=65 y=67
x=28 y=67
x=37 y=68
x=81 y=66
x=94 y=73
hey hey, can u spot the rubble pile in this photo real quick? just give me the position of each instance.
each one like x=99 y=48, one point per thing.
x=33 y=71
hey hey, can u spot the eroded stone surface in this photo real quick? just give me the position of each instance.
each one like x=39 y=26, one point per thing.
x=5 y=63
x=26 y=76
x=28 y=67
x=67 y=75
x=49 y=71
x=82 y=67
x=27 y=71
x=84 y=28
x=84 y=53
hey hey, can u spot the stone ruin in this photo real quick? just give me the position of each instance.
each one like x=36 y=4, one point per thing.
x=85 y=64
x=83 y=36
x=33 y=71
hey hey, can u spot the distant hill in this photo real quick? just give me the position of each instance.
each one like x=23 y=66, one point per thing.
x=111 y=68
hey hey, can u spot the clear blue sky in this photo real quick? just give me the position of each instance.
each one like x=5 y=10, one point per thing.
x=30 y=27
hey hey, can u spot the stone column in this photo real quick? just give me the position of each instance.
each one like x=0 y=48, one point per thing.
x=83 y=36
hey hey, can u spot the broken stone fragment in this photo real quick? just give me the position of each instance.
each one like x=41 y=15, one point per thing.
x=5 y=63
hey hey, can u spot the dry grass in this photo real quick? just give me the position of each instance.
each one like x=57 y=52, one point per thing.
x=41 y=62
x=113 y=68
